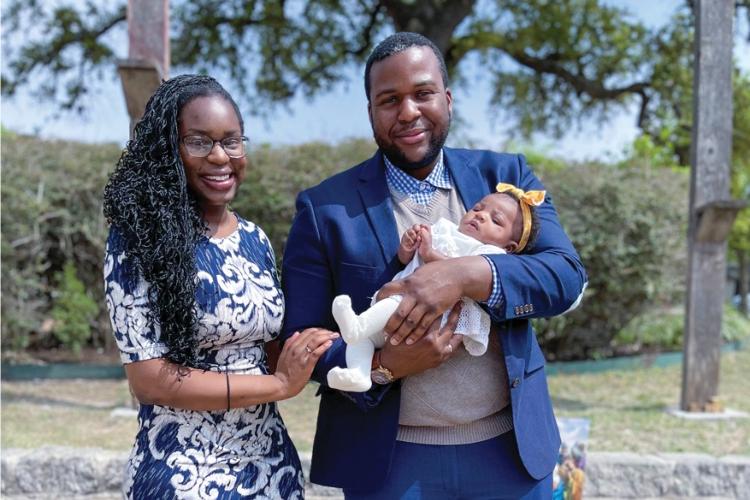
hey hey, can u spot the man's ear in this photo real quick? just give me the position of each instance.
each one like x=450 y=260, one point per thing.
x=511 y=247
x=369 y=112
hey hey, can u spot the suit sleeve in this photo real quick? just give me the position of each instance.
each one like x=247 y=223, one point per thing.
x=549 y=279
x=307 y=283
x=309 y=290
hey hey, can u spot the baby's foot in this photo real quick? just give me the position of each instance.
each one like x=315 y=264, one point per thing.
x=347 y=379
x=346 y=318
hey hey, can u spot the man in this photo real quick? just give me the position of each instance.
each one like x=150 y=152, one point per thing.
x=437 y=423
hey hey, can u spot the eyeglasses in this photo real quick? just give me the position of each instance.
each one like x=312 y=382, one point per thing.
x=201 y=146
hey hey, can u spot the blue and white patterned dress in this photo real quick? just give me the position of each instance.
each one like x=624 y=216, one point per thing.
x=241 y=453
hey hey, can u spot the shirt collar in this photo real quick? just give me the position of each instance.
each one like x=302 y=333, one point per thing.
x=438 y=178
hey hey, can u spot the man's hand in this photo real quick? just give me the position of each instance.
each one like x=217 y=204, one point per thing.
x=431 y=290
x=433 y=349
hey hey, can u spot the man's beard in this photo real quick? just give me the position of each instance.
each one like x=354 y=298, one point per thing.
x=399 y=159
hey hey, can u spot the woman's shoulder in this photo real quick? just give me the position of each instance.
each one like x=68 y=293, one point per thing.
x=249 y=228
x=117 y=265
x=253 y=239
x=116 y=242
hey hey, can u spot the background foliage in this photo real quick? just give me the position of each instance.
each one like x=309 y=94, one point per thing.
x=73 y=309
x=628 y=223
x=51 y=192
x=550 y=64
x=276 y=175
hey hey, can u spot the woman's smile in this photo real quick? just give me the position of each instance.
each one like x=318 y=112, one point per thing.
x=219 y=182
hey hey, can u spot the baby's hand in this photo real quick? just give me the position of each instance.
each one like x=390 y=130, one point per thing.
x=426 y=251
x=409 y=243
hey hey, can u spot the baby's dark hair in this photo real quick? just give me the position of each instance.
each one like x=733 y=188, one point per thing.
x=534 y=231
x=148 y=202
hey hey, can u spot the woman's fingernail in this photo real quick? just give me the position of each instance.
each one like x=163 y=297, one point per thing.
x=394 y=340
x=409 y=341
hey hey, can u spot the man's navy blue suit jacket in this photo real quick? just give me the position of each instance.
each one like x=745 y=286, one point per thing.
x=344 y=240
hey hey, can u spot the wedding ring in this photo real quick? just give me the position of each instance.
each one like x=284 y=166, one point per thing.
x=307 y=348
x=450 y=348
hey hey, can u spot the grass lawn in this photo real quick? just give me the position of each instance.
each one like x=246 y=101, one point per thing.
x=626 y=410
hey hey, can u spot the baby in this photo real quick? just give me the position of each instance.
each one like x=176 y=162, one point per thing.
x=501 y=222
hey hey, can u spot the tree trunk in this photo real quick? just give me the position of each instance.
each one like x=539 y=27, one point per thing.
x=435 y=19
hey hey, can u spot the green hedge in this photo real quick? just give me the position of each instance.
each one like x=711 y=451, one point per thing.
x=52 y=214
x=277 y=174
x=662 y=329
x=627 y=223
x=629 y=227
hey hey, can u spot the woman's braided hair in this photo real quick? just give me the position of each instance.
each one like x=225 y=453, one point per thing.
x=147 y=200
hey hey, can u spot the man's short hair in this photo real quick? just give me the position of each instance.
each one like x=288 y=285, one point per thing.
x=399 y=42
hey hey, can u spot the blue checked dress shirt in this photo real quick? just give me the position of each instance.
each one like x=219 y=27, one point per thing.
x=420 y=192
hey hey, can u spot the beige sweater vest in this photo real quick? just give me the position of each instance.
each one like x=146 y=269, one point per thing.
x=464 y=400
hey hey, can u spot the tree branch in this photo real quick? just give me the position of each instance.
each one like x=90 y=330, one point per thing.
x=581 y=84
x=74 y=33
x=366 y=38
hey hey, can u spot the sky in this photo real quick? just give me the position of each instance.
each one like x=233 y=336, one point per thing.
x=341 y=113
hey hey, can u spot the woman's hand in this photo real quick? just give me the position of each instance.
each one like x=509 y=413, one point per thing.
x=161 y=382
x=298 y=357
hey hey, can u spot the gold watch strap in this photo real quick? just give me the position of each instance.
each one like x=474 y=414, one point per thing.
x=383 y=374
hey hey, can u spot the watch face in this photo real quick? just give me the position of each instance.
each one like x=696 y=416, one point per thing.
x=380 y=378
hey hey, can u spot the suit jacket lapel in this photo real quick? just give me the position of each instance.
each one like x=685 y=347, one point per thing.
x=373 y=190
x=466 y=177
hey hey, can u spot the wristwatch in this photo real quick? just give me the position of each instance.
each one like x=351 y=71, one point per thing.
x=380 y=374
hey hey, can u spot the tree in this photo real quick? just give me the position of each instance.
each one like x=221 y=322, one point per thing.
x=551 y=63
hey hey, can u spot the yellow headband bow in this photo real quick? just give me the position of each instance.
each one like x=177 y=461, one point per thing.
x=527 y=199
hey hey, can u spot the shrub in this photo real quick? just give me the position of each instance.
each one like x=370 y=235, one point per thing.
x=51 y=215
x=277 y=174
x=73 y=310
x=628 y=225
x=662 y=329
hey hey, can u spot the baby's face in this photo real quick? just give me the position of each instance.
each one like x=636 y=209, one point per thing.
x=494 y=220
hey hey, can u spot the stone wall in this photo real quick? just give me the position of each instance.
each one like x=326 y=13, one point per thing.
x=65 y=473
x=667 y=475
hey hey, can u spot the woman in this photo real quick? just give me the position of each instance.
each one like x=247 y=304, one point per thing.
x=193 y=296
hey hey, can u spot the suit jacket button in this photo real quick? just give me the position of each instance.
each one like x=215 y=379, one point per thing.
x=516 y=383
